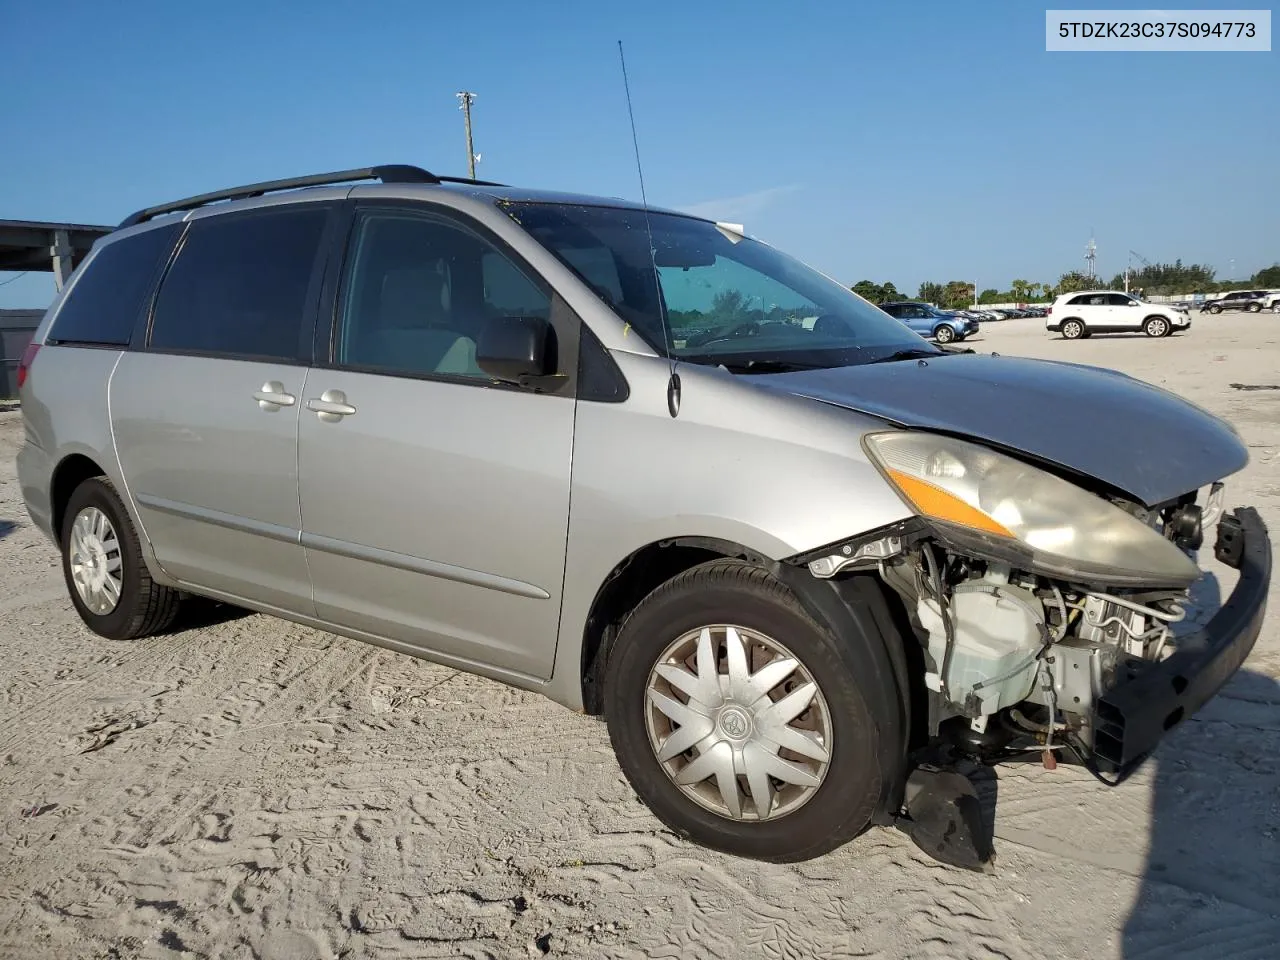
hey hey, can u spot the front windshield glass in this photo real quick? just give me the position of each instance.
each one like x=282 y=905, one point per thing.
x=727 y=299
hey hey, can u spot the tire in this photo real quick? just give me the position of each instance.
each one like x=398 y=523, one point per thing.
x=803 y=822
x=1156 y=327
x=944 y=334
x=1215 y=309
x=1072 y=329
x=1254 y=307
x=107 y=539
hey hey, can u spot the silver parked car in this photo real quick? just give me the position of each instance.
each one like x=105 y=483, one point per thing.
x=799 y=558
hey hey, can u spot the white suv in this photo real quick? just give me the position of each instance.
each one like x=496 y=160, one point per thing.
x=1086 y=312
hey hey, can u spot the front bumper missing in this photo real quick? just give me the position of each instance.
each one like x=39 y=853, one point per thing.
x=1129 y=720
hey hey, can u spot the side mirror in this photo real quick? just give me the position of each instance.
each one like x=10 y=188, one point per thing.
x=520 y=350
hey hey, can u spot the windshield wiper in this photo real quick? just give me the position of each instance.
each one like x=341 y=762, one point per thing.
x=761 y=365
x=913 y=354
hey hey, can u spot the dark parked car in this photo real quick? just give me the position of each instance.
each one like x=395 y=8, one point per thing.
x=1251 y=300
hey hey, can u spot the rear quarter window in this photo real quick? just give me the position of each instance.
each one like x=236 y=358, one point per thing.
x=240 y=286
x=106 y=301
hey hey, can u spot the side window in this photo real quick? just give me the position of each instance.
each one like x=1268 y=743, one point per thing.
x=106 y=301
x=418 y=291
x=239 y=285
x=1080 y=301
x=1118 y=300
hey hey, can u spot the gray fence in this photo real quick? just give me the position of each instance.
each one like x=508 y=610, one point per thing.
x=16 y=329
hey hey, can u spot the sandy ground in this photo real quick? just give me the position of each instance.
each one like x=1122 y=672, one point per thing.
x=249 y=788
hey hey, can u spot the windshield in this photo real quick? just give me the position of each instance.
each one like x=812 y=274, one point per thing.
x=727 y=299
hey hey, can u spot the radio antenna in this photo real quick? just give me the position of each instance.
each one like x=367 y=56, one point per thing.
x=673 y=384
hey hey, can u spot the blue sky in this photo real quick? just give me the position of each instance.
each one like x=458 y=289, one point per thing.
x=897 y=141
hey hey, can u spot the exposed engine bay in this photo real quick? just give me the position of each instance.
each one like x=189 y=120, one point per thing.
x=1016 y=661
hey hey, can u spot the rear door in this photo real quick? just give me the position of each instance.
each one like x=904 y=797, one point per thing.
x=206 y=413
x=435 y=502
x=1126 y=313
x=916 y=318
x=1093 y=309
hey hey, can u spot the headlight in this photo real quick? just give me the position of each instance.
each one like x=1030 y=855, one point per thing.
x=974 y=493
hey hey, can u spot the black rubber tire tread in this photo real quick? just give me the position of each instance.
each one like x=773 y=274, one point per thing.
x=145 y=607
x=844 y=805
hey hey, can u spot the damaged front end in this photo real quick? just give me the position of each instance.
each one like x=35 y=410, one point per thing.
x=1052 y=621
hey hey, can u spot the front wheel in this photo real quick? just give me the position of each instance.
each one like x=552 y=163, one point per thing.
x=102 y=564
x=1156 y=327
x=1254 y=307
x=1215 y=309
x=737 y=720
x=944 y=334
x=1072 y=330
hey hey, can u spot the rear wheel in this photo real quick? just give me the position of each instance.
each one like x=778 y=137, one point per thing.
x=944 y=334
x=1254 y=307
x=102 y=564
x=737 y=720
x=1072 y=329
x=1156 y=327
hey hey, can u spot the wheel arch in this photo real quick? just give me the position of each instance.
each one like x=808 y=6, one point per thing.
x=631 y=580
x=71 y=471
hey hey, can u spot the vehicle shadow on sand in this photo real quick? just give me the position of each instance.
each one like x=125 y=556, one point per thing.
x=1210 y=883
x=7 y=527
x=197 y=612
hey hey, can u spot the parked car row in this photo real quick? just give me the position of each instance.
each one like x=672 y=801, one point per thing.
x=1253 y=301
x=1019 y=313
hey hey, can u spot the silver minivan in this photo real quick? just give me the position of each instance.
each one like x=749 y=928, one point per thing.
x=802 y=561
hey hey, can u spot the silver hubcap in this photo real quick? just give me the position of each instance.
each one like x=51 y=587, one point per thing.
x=1158 y=327
x=95 y=561
x=738 y=723
x=1073 y=330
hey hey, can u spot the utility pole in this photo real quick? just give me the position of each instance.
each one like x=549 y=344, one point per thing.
x=467 y=97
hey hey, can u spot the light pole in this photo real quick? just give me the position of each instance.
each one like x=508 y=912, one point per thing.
x=467 y=97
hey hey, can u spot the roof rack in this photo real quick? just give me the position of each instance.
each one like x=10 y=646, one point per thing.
x=388 y=173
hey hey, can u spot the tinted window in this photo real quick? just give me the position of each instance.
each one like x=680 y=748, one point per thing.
x=1119 y=300
x=418 y=292
x=239 y=285
x=106 y=300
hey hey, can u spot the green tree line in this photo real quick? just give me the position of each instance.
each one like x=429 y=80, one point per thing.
x=1157 y=279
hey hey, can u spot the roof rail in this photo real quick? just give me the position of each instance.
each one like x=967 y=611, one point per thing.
x=388 y=173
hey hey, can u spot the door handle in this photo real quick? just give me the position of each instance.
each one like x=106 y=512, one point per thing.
x=272 y=396
x=331 y=406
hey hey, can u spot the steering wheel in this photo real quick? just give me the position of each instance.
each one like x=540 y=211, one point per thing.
x=741 y=331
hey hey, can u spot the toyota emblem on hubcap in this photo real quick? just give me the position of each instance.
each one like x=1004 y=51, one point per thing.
x=734 y=723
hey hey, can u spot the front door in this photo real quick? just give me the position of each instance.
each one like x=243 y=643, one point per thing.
x=205 y=416
x=435 y=502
